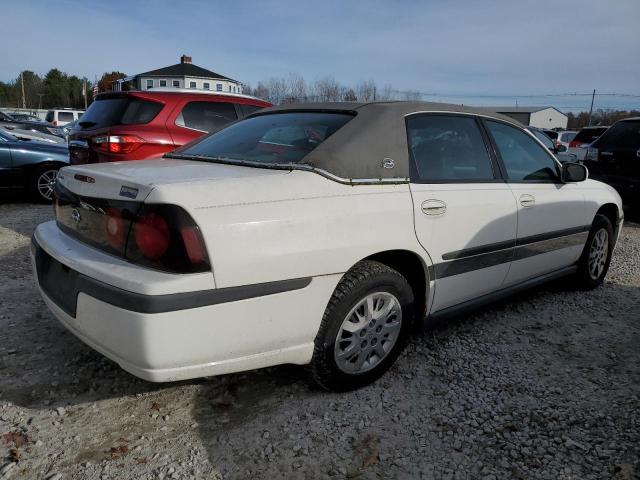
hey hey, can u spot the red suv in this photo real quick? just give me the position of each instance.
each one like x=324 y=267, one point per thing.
x=139 y=125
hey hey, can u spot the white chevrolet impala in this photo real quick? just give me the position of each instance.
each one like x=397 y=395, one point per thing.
x=314 y=234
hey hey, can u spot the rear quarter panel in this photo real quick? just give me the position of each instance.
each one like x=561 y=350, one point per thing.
x=294 y=225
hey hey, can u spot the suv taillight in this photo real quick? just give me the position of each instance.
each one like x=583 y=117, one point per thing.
x=117 y=143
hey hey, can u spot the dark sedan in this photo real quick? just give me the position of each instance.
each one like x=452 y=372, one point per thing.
x=39 y=126
x=30 y=165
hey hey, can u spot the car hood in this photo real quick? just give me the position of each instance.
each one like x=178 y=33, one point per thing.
x=41 y=146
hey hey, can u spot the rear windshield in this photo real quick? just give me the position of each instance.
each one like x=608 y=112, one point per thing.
x=278 y=138
x=49 y=117
x=588 y=135
x=567 y=136
x=119 y=111
x=621 y=135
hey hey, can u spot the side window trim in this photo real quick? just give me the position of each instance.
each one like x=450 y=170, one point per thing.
x=498 y=172
x=503 y=167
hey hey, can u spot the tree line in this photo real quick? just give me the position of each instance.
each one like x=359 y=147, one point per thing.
x=55 y=89
x=599 y=117
x=58 y=89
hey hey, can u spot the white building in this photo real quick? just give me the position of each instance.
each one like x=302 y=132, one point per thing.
x=181 y=75
x=540 y=117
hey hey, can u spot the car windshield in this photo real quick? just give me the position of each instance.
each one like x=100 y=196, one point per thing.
x=271 y=139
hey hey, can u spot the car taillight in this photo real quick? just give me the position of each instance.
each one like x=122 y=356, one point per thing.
x=152 y=236
x=575 y=143
x=117 y=143
x=114 y=228
x=165 y=237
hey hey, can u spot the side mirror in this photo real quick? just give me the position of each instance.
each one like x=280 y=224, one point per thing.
x=561 y=148
x=574 y=172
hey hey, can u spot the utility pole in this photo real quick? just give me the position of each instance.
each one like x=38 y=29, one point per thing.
x=40 y=95
x=593 y=96
x=84 y=92
x=24 y=105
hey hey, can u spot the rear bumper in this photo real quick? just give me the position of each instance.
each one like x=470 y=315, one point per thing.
x=259 y=329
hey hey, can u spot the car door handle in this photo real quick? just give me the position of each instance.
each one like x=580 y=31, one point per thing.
x=434 y=207
x=527 y=201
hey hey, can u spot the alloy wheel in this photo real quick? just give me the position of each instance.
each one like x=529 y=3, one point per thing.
x=368 y=333
x=46 y=183
x=598 y=253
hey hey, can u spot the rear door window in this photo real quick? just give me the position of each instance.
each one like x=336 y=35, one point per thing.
x=207 y=116
x=524 y=159
x=447 y=148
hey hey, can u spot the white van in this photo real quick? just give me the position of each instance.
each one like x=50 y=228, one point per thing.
x=63 y=116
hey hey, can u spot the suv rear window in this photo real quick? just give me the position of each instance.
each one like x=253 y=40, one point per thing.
x=49 y=117
x=588 y=135
x=120 y=111
x=277 y=138
x=621 y=135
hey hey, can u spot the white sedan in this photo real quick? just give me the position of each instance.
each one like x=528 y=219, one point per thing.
x=314 y=234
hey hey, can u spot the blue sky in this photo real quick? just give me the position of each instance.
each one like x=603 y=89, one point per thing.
x=475 y=52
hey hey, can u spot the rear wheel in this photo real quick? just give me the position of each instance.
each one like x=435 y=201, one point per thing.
x=42 y=183
x=364 y=328
x=596 y=256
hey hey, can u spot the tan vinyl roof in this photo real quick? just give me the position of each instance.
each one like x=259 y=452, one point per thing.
x=377 y=132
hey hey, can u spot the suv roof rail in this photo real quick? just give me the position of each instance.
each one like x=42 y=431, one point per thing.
x=197 y=92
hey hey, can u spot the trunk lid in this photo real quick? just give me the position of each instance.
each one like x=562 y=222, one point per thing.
x=134 y=180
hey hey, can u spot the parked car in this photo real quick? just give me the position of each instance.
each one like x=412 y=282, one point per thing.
x=32 y=135
x=559 y=151
x=584 y=138
x=26 y=116
x=317 y=233
x=8 y=122
x=142 y=125
x=63 y=116
x=31 y=165
x=614 y=158
x=565 y=138
x=66 y=130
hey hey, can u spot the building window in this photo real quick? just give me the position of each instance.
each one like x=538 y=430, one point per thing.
x=163 y=83
x=219 y=87
x=176 y=83
x=229 y=87
x=149 y=84
x=206 y=85
x=192 y=84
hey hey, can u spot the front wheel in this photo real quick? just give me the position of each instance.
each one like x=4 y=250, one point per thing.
x=42 y=183
x=596 y=256
x=364 y=328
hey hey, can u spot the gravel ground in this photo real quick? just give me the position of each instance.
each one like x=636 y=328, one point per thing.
x=545 y=385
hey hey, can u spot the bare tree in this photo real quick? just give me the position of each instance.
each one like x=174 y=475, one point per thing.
x=366 y=91
x=297 y=87
x=350 y=95
x=327 y=89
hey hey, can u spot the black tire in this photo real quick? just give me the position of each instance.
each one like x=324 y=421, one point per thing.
x=585 y=278
x=365 y=278
x=36 y=178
